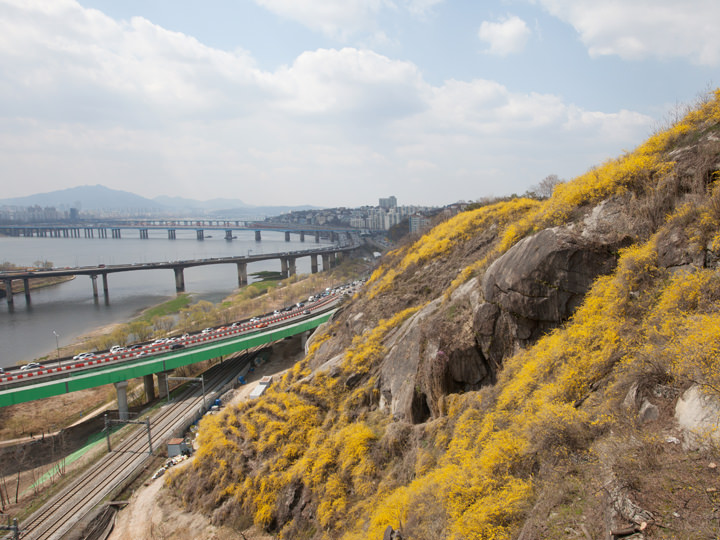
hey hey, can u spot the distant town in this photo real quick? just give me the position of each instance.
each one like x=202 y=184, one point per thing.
x=383 y=217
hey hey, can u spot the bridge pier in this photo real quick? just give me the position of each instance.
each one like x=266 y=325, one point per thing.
x=163 y=384
x=287 y=236
x=284 y=267
x=314 y=263
x=303 y=340
x=93 y=278
x=179 y=279
x=121 y=389
x=242 y=274
x=200 y=234
x=257 y=236
x=149 y=384
x=144 y=235
x=302 y=236
x=9 y=292
x=317 y=237
x=171 y=234
x=228 y=234
x=26 y=286
x=326 y=261
x=106 y=293
x=291 y=265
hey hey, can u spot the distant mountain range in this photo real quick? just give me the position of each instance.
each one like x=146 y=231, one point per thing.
x=100 y=198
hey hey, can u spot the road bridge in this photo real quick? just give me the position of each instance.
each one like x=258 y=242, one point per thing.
x=114 y=228
x=53 y=379
x=328 y=255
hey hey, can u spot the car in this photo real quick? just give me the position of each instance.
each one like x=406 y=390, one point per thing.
x=185 y=336
x=2 y=371
x=177 y=346
x=116 y=349
x=84 y=356
x=135 y=347
x=234 y=325
x=31 y=365
x=207 y=330
x=306 y=312
x=159 y=341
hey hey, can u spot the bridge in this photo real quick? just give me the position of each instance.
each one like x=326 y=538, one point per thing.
x=101 y=228
x=287 y=268
x=55 y=378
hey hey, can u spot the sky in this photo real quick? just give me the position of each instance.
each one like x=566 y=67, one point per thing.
x=339 y=102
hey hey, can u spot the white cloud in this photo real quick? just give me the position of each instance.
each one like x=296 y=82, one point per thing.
x=505 y=37
x=645 y=28
x=86 y=99
x=338 y=19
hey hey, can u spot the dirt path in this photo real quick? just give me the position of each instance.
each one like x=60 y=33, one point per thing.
x=153 y=514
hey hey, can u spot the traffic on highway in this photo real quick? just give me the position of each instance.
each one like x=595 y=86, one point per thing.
x=315 y=304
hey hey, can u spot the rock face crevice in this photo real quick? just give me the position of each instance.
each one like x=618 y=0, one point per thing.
x=535 y=286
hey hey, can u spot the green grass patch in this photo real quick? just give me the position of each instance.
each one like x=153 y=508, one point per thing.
x=166 y=308
x=266 y=275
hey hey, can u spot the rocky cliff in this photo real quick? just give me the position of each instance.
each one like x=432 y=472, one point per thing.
x=526 y=369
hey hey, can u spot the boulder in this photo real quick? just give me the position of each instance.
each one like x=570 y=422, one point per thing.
x=535 y=286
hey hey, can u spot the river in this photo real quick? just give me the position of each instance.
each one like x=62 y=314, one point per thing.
x=69 y=309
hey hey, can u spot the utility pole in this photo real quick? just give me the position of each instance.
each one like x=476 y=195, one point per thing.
x=14 y=528
x=146 y=422
x=57 y=345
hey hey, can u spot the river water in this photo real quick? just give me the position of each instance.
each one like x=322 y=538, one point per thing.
x=69 y=309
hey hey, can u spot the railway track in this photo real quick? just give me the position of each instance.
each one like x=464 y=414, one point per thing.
x=64 y=510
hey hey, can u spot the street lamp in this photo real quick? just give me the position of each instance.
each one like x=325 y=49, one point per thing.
x=57 y=345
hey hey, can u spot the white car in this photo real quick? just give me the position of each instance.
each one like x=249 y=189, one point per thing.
x=83 y=356
x=116 y=349
x=31 y=365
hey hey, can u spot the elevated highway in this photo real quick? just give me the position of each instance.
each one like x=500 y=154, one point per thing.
x=51 y=379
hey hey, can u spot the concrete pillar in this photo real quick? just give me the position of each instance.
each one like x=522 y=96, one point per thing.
x=9 y=292
x=314 y=263
x=179 y=279
x=303 y=339
x=242 y=274
x=93 y=278
x=149 y=384
x=257 y=236
x=317 y=237
x=162 y=384
x=200 y=234
x=105 y=286
x=291 y=266
x=284 y=267
x=26 y=286
x=302 y=236
x=121 y=389
x=287 y=236
x=326 y=261
x=228 y=234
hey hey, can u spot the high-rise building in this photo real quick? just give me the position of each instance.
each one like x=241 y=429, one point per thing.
x=388 y=203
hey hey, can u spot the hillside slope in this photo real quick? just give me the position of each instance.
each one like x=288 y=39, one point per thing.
x=514 y=373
